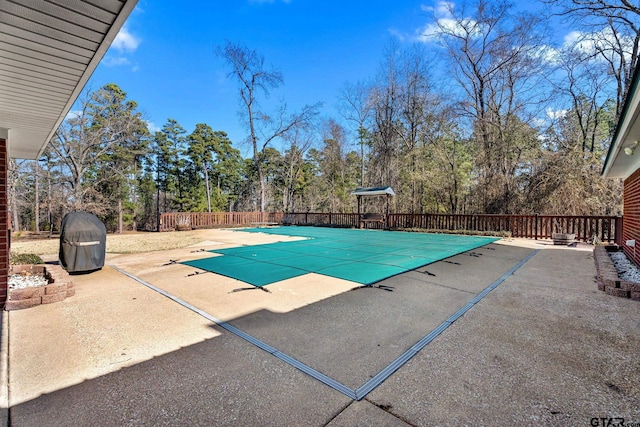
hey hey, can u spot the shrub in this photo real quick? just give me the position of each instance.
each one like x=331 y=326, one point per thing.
x=25 y=259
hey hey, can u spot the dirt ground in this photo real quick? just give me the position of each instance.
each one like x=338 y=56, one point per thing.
x=116 y=243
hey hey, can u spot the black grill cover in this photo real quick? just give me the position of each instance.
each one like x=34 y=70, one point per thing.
x=83 y=242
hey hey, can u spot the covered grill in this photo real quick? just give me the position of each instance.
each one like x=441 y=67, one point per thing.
x=83 y=241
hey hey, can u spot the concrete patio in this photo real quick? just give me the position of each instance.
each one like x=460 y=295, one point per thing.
x=545 y=346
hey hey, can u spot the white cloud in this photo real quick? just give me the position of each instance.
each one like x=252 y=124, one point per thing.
x=555 y=114
x=427 y=33
x=580 y=42
x=553 y=55
x=603 y=42
x=546 y=53
x=120 y=61
x=572 y=37
x=538 y=123
x=445 y=22
x=72 y=114
x=123 y=46
x=586 y=44
x=153 y=128
x=115 y=61
x=125 y=41
x=442 y=8
x=398 y=34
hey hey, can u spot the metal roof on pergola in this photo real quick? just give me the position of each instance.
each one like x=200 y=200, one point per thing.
x=48 y=51
x=373 y=191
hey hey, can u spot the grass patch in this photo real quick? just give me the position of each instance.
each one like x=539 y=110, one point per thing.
x=127 y=243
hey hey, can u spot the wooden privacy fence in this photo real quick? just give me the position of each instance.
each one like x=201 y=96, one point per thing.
x=604 y=228
x=189 y=220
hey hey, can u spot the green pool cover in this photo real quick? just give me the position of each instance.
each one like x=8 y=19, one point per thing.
x=361 y=256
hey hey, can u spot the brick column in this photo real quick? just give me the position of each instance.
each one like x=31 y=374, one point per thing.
x=4 y=219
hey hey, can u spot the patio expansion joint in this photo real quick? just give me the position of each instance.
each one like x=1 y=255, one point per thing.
x=249 y=338
x=431 y=282
x=439 y=285
x=369 y=386
x=362 y=391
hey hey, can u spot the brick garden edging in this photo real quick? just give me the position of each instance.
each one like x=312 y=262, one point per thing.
x=60 y=287
x=608 y=279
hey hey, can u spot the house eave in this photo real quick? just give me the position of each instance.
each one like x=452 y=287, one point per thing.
x=619 y=164
x=48 y=52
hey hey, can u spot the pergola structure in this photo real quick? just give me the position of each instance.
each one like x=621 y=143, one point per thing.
x=386 y=192
x=48 y=51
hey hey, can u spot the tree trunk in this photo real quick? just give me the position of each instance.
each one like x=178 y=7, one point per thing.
x=120 y=222
x=206 y=184
x=36 y=202
x=134 y=199
x=49 y=208
x=361 y=159
x=263 y=190
x=16 y=218
x=13 y=206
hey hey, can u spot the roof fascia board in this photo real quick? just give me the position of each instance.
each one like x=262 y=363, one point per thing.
x=127 y=8
x=627 y=116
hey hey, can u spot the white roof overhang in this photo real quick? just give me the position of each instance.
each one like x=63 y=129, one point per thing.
x=620 y=164
x=48 y=51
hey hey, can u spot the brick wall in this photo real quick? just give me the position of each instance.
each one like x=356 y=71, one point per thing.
x=60 y=287
x=631 y=219
x=607 y=276
x=4 y=219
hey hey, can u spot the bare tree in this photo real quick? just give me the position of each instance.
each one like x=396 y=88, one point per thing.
x=416 y=125
x=356 y=107
x=495 y=57
x=253 y=78
x=612 y=28
x=585 y=84
x=300 y=141
x=386 y=97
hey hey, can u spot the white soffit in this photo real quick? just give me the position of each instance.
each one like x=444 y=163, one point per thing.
x=48 y=51
x=618 y=164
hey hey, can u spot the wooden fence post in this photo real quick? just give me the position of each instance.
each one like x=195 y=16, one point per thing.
x=619 y=224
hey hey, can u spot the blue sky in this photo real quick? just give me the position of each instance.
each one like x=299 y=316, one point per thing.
x=164 y=56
